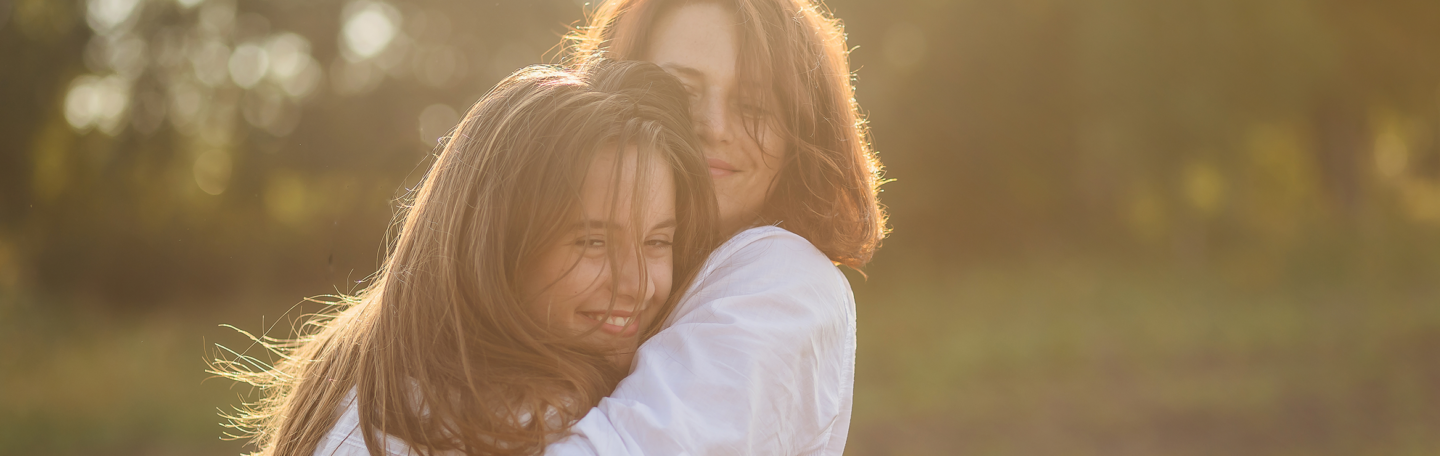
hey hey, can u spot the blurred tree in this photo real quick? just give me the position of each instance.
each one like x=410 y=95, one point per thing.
x=163 y=149
x=157 y=149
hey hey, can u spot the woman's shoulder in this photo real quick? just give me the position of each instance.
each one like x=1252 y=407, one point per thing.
x=768 y=270
x=769 y=247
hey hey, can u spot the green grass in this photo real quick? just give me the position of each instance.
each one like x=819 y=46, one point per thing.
x=1063 y=358
x=88 y=381
x=1089 y=358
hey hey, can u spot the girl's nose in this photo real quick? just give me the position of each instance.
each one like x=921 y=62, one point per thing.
x=631 y=281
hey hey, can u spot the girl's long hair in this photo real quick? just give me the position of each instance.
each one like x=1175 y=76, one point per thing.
x=440 y=349
x=793 y=55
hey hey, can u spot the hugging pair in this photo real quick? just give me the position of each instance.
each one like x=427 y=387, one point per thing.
x=616 y=257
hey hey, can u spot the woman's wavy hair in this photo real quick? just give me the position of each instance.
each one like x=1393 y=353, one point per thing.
x=827 y=188
x=440 y=348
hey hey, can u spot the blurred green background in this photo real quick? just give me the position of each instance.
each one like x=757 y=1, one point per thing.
x=1121 y=226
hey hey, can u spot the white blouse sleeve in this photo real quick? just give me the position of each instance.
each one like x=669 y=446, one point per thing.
x=345 y=439
x=757 y=359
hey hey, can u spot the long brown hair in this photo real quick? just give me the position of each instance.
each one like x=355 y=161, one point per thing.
x=827 y=187
x=440 y=350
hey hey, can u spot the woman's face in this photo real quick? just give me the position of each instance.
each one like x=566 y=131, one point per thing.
x=697 y=43
x=573 y=283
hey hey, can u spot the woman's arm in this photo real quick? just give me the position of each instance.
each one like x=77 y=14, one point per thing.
x=758 y=359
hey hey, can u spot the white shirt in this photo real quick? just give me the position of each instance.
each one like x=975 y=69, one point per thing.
x=758 y=358
x=344 y=438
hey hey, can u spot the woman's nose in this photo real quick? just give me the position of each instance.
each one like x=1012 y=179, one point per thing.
x=712 y=120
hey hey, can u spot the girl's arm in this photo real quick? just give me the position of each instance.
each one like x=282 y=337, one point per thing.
x=758 y=359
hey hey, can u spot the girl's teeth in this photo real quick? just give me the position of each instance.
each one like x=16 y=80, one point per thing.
x=618 y=321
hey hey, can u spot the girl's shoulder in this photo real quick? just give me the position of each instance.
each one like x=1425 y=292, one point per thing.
x=345 y=438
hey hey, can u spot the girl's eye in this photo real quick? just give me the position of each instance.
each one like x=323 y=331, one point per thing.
x=658 y=243
x=590 y=243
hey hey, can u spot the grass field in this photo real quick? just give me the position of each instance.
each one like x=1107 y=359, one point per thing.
x=1066 y=358
x=1087 y=358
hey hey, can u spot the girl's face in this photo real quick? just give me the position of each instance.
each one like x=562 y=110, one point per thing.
x=595 y=262
x=697 y=43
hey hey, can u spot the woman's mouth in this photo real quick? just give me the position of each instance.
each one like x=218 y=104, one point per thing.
x=618 y=322
x=720 y=168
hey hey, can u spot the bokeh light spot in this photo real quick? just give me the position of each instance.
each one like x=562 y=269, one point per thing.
x=81 y=103
x=109 y=16
x=248 y=64
x=369 y=28
x=291 y=66
x=303 y=84
x=289 y=54
x=93 y=101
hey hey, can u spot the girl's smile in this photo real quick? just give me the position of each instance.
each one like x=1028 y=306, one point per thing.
x=617 y=322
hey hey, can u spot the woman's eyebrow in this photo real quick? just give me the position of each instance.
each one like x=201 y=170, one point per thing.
x=670 y=223
x=593 y=224
x=684 y=71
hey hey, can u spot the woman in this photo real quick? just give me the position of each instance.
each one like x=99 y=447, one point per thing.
x=545 y=238
x=759 y=356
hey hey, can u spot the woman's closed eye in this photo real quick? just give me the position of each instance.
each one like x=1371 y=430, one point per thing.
x=752 y=109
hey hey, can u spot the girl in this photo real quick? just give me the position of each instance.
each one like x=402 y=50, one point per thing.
x=758 y=358
x=530 y=262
